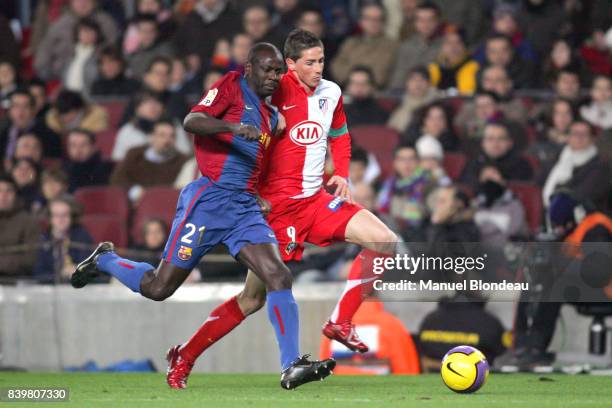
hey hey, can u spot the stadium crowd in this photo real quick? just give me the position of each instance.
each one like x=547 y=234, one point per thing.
x=465 y=115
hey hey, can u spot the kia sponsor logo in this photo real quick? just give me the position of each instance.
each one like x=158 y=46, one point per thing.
x=306 y=133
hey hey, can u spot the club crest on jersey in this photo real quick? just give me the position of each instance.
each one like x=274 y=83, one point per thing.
x=323 y=105
x=335 y=204
x=184 y=253
x=290 y=247
x=209 y=98
x=264 y=139
x=306 y=133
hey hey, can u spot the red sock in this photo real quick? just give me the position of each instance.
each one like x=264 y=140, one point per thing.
x=220 y=322
x=358 y=286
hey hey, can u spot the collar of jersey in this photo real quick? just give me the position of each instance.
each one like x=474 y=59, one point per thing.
x=293 y=77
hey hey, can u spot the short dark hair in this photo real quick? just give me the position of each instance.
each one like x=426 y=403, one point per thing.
x=358 y=154
x=146 y=18
x=37 y=82
x=160 y=59
x=164 y=121
x=8 y=180
x=430 y=5
x=365 y=70
x=90 y=23
x=262 y=47
x=299 y=40
x=68 y=101
x=112 y=52
x=419 y=70
x=404 y=146
x=580 y=121
x=23 y=92
x=55 y=174
x=90 y=135
x=498 y=36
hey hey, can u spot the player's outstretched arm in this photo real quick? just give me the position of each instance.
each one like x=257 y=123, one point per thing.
x=201 y=124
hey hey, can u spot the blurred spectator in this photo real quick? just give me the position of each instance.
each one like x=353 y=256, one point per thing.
x=60 y=251
x=9 y=49
x=497 y=149
x=17 y=228
x=154 y=236
x=165 y=24
x=22 y=119
x=53 y=184
x=363 y=168
x=184 y=82
x=29 y=147
x=580 y=169
x=499 y=52
x=372 y=48
x=312 y=20
x=212 y=76
x=505 y=23
x=361 y=107
x=84 y=164
x=257 y=24
x=454 y=71
x=418 y=92
x=553 y=133
x=149 y=110
x=500 y=215
x=597 y=52
x=561 y=57
x=452 y=219
x=80 y=71
x=285 y=16
x=232 y=56
x=26 y=174
x=486 y=110
x=433 y=120
x=543 y=21
x=111 y=80
x=149 y=46
x=70 y=111
x=403 y=195
x=189 y=172
x=422 y=47
x=567 y=85
x=431 y=156
x=38 y=90
x=8 y=83
x=401 y=16
x=157 y=163
x=209 y=19
x=46 y=13
x=157 y=80
x=497 y=81
x=57 y=44
x=599 y=112
x=467 y=14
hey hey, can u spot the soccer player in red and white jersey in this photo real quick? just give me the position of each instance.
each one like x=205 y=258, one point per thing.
x=301 y=210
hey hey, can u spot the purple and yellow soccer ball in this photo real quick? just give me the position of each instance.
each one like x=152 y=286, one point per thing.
x=464 y=369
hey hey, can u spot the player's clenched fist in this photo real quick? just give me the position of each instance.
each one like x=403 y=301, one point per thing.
x=249 y=132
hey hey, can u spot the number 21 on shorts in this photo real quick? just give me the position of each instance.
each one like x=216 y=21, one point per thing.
x=191 y=229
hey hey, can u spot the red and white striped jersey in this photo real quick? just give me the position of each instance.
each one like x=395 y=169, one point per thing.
x=295 y=161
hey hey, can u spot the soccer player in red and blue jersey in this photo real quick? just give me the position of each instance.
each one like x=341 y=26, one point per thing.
x=232 y=124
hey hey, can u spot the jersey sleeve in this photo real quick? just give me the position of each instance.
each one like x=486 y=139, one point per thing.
x=219 y=98
x=340 y=141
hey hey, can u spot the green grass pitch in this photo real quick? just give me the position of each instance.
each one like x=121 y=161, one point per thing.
x=259 y=390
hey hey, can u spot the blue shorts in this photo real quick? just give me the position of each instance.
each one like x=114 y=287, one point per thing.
x=207 y=215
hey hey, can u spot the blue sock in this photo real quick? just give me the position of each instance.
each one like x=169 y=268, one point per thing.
x=128 y=272
x=284 y=316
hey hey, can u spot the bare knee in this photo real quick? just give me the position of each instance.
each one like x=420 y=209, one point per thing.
x=158 y=292
x=251 y=303
x=278 y=277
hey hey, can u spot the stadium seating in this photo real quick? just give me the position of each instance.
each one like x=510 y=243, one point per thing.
x=104 y=200
x=105 y=141
x=104 y=227
x=378 y=140
x=531 y=197
x=156 y=202
x=453 y=164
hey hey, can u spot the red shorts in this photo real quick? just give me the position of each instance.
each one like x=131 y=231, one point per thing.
x=319 y=220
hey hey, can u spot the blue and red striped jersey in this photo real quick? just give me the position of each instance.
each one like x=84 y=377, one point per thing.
x=228 y=160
